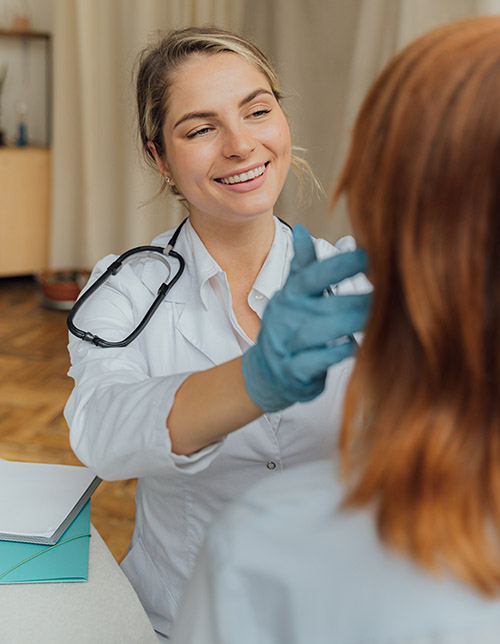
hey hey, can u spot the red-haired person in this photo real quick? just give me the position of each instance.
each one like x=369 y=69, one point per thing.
x=397 y=539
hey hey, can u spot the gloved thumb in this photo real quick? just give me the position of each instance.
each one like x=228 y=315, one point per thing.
x=304 y=250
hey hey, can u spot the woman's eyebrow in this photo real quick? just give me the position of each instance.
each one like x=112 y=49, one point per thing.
x=194 y=115
x=254 y=94
x=203 y=115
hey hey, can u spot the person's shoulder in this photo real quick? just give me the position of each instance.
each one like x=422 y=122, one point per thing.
x=325 y=249
x=281 y=532
x=357 y=284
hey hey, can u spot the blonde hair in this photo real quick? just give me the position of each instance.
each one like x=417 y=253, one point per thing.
x=421 y=428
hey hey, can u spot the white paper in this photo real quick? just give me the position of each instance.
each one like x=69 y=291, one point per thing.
x=35 y=498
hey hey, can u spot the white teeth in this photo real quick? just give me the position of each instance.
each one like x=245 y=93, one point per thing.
x=244 y=176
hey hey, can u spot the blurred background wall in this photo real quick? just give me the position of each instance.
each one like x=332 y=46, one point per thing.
x=327 y=52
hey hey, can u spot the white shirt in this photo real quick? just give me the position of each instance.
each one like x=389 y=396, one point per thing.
x=122 y=397
x=285 y=565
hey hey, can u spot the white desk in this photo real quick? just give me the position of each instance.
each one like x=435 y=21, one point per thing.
x=104 y=610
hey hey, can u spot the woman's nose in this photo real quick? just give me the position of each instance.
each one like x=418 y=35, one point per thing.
x=238 y=143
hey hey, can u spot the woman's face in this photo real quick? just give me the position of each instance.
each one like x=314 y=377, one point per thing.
x=227 y=140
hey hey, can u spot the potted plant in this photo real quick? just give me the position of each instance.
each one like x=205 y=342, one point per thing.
x=60 y=288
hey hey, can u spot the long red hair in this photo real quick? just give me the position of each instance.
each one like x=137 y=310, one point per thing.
x=421 y=429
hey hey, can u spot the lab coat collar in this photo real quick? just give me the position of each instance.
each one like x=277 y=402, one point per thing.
x=270 y=278
x=201 y=267
x=274 y=271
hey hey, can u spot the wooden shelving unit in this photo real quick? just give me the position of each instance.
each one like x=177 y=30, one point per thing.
x=25 y=210
x=25 y=180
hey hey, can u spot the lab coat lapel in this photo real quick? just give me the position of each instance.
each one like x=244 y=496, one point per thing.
x=208 y=329
x=205 y=326
x=155 y=272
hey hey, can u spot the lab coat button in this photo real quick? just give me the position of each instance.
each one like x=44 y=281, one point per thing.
x=271 y=465
x=258 y=296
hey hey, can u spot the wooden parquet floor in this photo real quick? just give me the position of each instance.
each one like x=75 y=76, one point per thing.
x=34 y=388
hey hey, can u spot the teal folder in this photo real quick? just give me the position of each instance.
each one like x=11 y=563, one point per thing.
x=67 y=560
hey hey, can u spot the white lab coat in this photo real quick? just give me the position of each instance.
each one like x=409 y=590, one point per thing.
x=122 y=397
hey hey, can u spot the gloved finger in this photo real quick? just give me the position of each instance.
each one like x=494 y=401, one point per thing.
x=299 y=391
x=308 y=366
x=320 y=332
x=315 y=278
x=326 y=305
x=304 y=252
x=325 y=311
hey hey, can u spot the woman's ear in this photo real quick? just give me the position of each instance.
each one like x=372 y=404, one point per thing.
x=162 y=166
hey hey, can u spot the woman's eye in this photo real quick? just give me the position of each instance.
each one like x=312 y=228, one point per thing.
x=259 y=113
x=200 y=132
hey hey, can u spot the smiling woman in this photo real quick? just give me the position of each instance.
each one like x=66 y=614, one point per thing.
x=173 y=408
x=216 y=139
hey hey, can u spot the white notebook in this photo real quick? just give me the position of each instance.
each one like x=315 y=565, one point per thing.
x=38 y=501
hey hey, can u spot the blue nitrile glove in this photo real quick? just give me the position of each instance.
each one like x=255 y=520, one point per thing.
x=304 y=332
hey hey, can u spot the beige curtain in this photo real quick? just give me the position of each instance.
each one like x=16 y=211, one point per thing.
x=327 y=53
x=386 y=26
x=99 y=183
x=383 y=27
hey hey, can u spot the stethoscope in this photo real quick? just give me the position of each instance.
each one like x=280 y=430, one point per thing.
x=113 y=269
x=165 y=287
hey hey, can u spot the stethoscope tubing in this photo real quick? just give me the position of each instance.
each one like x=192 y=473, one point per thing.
x=163 y=290
x=113 y=269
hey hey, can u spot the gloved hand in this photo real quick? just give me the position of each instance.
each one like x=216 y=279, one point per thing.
x=303 y=331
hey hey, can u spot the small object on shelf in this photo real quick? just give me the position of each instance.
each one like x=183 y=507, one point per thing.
x=60 y=289
x=22 y=128
x=31 y=86
x=21 y=23
x=3 y=74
